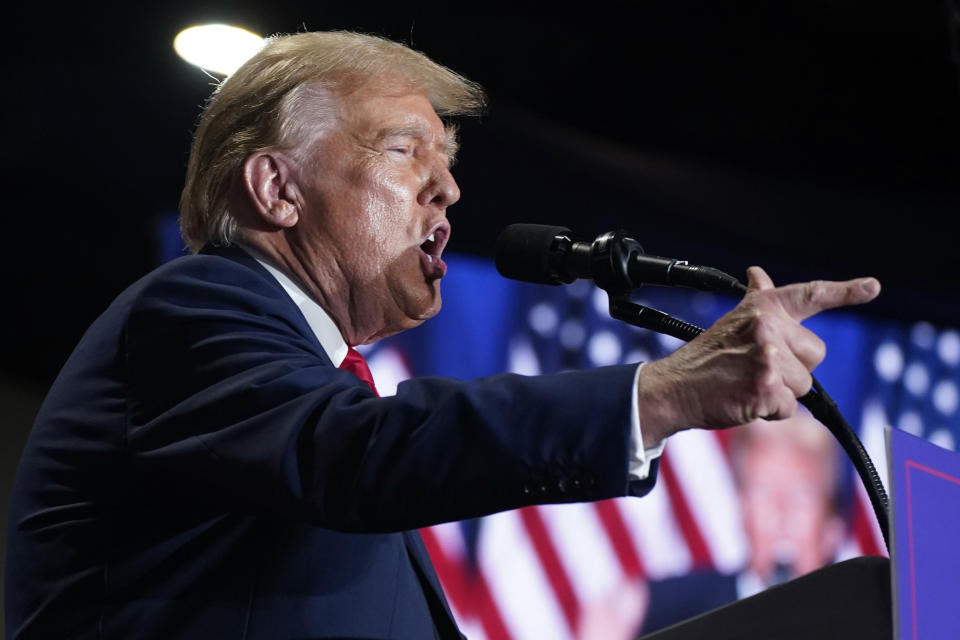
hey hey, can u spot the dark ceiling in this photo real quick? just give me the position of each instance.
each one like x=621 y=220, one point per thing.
x=818 y=138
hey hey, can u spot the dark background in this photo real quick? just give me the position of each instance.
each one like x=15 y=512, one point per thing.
x=820 y=139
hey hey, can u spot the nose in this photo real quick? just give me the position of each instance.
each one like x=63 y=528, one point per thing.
x=441 y=190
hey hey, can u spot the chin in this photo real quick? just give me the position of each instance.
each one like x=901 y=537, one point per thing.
x=407 y=317
x=425 y=307
x=430 y=310
x=413 y=305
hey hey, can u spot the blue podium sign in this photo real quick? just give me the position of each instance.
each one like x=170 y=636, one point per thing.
x=925 y=553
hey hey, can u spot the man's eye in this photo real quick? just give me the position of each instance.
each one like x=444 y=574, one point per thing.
x=401 y=150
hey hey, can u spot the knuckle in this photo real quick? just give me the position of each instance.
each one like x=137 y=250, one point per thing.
x=819 y=350
x=798 y=383
x=766 y=379
x=787 y=407
x=763 y=326
x=814 y=292
x=768 y=357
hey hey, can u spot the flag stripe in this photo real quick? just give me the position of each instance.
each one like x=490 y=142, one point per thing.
x=552 y=566
x=453 y=579
x=865 y=529
x=699 y=551
x=620 y=539
x=490 y=616
x=518 y=581
x=585 y=550
x=656 y=533
x=707 y=485
x=467 y=591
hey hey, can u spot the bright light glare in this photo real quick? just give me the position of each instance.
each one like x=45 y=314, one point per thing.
x=217 y=47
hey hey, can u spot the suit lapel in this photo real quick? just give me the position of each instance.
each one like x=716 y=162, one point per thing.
x=293 y=313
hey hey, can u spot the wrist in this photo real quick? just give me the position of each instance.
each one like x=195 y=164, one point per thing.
x=658 y=406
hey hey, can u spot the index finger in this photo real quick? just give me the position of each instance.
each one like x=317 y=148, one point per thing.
x=806 y=299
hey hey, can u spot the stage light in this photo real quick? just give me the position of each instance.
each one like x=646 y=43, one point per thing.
x=219 y=48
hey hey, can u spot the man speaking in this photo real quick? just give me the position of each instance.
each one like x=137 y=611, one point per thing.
x=213 y=460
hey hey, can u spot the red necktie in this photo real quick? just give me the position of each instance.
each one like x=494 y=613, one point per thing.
x=355 y=364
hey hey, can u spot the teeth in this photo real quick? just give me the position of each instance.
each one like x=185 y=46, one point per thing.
x=431 y=237
x=429 y=258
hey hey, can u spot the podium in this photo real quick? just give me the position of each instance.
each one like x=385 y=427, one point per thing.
x=850 y=600
x=913 y=597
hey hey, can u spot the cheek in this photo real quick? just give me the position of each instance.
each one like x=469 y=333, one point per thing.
x=386 y=211
x=390 y=222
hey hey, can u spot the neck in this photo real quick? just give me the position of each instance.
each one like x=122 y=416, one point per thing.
x=318 y=276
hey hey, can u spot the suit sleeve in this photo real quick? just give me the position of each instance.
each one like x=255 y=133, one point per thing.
x=233 y=404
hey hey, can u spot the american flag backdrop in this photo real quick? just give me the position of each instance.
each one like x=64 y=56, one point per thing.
x=575 y=571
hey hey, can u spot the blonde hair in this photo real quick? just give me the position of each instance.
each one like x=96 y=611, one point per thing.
x=273 y=101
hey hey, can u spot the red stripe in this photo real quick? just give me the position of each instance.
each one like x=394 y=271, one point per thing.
x=864 y=530
x=620 y=538
x=487 y=611
x=454 y=580
x=699 y=551
x=550 y=561
x=468 y=592
x=913 y=464
x=725 y=438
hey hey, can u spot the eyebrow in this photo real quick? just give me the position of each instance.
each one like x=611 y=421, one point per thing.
x=449 y=145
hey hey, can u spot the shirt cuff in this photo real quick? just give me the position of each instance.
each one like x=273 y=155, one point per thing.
x=640 y=458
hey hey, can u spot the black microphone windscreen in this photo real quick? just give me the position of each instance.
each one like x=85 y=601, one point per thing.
x=524 y=251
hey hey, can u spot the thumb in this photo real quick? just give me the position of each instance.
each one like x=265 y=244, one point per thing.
x=758 y=280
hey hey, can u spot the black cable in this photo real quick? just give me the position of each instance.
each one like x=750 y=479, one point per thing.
x=824 y=409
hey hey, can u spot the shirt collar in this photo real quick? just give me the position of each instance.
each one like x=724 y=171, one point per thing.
x=320 y=322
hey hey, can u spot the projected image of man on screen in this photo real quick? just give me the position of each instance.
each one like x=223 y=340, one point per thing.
x=787 y=477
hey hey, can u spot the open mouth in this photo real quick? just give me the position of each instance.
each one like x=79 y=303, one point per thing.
x=431 y=249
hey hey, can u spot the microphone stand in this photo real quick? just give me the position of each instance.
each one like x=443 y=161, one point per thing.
x=817 y=400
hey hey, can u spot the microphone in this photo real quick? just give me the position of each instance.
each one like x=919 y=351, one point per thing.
x=545 y=254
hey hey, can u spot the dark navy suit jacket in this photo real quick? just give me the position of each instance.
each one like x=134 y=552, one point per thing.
x=200 y=469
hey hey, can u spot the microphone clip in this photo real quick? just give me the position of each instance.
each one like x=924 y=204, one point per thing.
x=619 y=265
x=611 y=255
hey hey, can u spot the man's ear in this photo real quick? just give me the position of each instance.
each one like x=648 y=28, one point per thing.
x=269 y=183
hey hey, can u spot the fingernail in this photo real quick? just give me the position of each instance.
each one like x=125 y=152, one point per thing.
x=870 y=286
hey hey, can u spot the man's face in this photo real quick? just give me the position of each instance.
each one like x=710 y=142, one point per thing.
x=373 y=225
x=787 y=509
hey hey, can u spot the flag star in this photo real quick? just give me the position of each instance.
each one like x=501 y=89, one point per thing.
x=943 y=438
x=888 y=361
x=916 y=379
x=572 y=334
x=911 y=422
x=604 y=348
x=948 y=347
x=945 y=397
x=543 y=318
